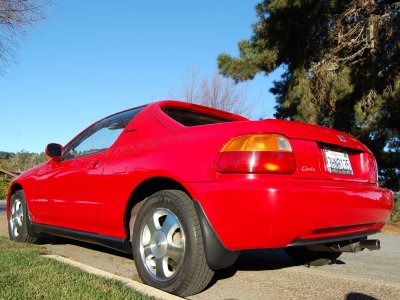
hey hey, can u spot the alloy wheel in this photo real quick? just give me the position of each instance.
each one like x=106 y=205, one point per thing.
x=162 y=244
x=16 y=217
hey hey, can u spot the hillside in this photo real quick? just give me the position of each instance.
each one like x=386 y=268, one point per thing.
x=17 y=163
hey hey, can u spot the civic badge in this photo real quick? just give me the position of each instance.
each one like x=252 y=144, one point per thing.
x=341 y=137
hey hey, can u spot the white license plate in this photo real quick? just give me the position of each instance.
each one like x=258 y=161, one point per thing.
x=337 y=162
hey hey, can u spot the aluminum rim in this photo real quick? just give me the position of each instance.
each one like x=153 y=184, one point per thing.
x=16 y=218
x=162 y=244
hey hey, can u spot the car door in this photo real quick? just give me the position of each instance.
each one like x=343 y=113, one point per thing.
x=69 y=191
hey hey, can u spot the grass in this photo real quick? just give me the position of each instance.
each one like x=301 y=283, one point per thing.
x=25 y=274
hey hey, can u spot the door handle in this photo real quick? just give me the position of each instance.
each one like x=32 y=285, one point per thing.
x=94 y=164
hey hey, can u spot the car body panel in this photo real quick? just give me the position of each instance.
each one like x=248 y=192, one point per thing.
x=92 y=193
x=264 y=211
x=299 y=130
x=74 y=196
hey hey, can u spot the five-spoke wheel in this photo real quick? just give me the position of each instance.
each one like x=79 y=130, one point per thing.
x=168 y=245
x=162 y=244
x=18 y=220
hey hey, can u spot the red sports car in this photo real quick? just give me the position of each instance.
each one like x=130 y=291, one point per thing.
x=185 y=188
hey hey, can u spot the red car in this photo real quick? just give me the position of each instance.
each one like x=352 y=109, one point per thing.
x=185 y=188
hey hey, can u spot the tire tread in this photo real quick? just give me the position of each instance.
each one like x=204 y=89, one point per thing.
x=202 y=275
x=195 y=274
x=25 y=236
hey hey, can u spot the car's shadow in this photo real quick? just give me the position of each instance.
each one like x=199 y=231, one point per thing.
x=249 y=260
x=56 y=240
x=256 y=260
x=259 y=260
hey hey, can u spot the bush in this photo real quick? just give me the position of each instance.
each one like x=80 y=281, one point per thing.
x=4 y=183
x=396 y=196
x=395 y=217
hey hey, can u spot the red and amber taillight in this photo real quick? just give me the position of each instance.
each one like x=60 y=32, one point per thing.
x=372 y=169
x=257 y=153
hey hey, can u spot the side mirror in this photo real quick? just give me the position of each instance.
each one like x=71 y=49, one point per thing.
x=54 y=150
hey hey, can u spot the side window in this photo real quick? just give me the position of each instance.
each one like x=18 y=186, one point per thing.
x=100 y=136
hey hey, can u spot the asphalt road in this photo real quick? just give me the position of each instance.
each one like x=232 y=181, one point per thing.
x=268 y=274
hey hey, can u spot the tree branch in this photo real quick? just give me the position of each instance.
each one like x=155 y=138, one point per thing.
x=388 y=2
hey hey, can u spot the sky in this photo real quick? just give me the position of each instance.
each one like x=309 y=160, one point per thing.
x=90 y=59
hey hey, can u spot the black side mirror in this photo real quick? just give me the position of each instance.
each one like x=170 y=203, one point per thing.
x=54 y=150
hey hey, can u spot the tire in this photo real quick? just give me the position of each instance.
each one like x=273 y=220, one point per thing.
x=18 y=220
x=303 y=256
x=168 y=245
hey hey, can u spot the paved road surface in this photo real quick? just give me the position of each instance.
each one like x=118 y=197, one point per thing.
x=268 y=274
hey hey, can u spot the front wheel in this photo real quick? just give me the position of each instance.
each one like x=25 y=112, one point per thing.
x=18 y=220
x=168 y=246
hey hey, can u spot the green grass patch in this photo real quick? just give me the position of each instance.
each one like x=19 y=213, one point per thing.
x=25 y=274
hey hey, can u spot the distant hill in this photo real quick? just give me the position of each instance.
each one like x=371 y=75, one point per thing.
x=6 y=155
x=20 y=161
x=16 y=163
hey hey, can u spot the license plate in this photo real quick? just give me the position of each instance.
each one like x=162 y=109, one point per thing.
x=337 y=162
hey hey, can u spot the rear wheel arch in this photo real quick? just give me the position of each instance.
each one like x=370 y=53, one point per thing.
x=218 y=256
x=141 y=192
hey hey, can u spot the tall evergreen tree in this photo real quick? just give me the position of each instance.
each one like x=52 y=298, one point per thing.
x=342 y=68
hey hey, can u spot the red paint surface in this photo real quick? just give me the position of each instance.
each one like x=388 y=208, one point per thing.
x=247 y=211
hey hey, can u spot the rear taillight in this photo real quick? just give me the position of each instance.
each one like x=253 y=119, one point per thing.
x=372 y=169
x=256 y=153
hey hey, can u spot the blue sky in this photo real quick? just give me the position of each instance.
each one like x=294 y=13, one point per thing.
x=89 y=59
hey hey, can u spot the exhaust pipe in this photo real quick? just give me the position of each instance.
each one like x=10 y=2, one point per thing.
x=348 y=247
x=370 y=244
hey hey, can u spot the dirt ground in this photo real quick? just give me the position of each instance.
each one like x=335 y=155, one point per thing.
x=391 y=228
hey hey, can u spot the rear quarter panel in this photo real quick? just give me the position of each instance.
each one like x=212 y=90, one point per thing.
x=148 y=149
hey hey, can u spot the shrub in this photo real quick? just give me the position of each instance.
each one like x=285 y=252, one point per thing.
x=4 y=183
x=395 y=217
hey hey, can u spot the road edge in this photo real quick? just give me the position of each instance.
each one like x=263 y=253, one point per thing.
x=137 y=286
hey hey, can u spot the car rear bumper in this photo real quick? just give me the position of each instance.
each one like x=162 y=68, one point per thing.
x=251 y=211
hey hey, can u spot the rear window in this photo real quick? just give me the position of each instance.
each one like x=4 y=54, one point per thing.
x=193 y=118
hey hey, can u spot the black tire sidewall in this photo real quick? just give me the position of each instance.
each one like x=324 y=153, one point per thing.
x=168 y=200
x=19 y=195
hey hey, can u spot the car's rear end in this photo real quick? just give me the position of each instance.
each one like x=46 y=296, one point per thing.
x=281 y=183
x=234 y=184
x=275 y=183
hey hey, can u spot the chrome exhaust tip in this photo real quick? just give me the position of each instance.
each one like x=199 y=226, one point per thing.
x=350 y=246
x=370 y=244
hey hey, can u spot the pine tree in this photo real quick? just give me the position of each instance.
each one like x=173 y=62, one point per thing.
x=342 y=68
